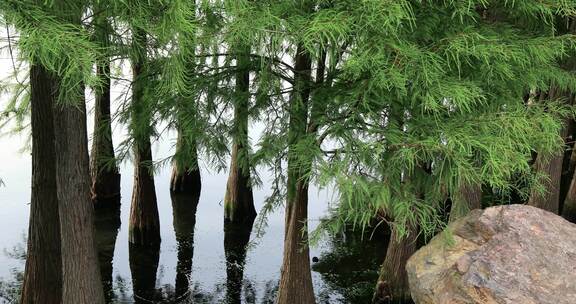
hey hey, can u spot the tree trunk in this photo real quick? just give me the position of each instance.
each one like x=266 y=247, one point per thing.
x=186 y=179
x=107 y=224
x=81 y=274
x=144 y=226
x=43 y=273
x=392 y=282
x=239 y=201
x=184 y=212
x=569 y=208
x=144 y=261
x=104 y=171
x=236 y=238
x=296 y=279
x=551 y=167
x=468 y=199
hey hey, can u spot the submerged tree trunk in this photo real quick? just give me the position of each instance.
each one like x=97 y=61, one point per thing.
x=144 y=226
x=107 y=224
x=296 y=279
x=81 y=274
x=392 y=282
x=184 y=212
x=239 y=201
x=467 y=199
x=144 y=261
x=186 y=179
x=43 y=273
x=104 y=171
x=236 y=238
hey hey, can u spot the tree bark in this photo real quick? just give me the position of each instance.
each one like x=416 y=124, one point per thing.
x=236 y=238
x=239 y=201
x=184 y=212
x=550 y=167
x=186 y=179
x=43 y=273
x=468 y=199
x=144 y=226
x=296 y=279
x=104 y=171
x=81 y=274
x=107 y=224
x=392 y=282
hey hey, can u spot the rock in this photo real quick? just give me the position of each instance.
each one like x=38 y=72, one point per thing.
x=513 y=254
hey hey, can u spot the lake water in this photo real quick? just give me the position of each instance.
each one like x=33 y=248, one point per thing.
x=339 y=276
x=345 y=271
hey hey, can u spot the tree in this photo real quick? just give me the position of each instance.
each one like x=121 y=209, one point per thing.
x=185 y=179
x=239 y=201
x=81 y=274
x=105 y=187
x=43 y=273
x=467 y=198
x=296 y=279
x=144 y=220
x=63 y=49
x=441 y=86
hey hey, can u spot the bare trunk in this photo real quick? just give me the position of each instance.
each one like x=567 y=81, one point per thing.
x=184 y=212
x=104 y=171
x=467 y=199
x=143 y=268
x=81 y=274
x=236 y=238
x=392 y=282
x=43 y=272
x=144 y=225
x=296 y=279
x=239 y=201
x=186 y=179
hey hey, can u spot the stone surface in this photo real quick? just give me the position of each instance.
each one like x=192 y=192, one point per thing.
x=513 y=254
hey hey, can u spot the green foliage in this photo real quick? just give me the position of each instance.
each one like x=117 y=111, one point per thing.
x=409 y=99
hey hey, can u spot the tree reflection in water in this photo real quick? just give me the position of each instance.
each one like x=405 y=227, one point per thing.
x=107 y=224
x=184 y=212
x=348 y=266
x=236 y=238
